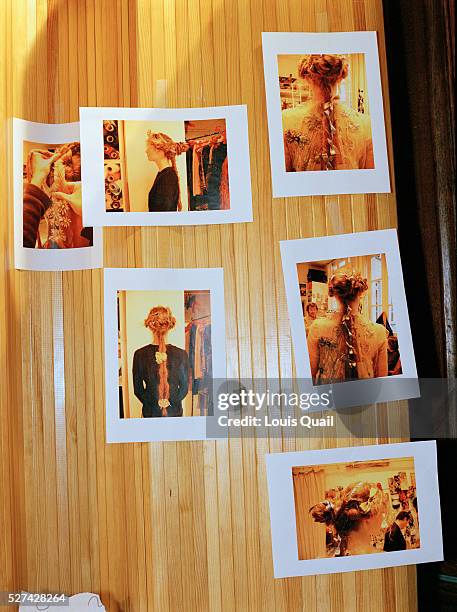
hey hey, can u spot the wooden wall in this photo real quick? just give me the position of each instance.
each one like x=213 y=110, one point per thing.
x=172 y=526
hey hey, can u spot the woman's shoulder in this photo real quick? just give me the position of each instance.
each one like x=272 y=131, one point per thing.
x=378 y=330
x=292 y=118
x=167 y=175
x=175 y=350
x=144 y=350
x=323 y=324
x=381 y=331
x=353 y=117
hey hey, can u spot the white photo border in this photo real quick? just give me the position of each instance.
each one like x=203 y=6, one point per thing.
x=47 y=259
x=308 y=183
x=282 y=509
x=362 y=391
x=154 y=279
x=238 y=159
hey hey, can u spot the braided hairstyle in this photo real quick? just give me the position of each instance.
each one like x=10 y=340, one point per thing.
x=170 y=149
x=160 y=321
x=347 y=288
x=325 y=71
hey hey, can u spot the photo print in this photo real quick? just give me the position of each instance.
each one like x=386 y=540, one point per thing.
x=354 y=508
x=164 y=338
x=349 y=316
x=166 y=166
x=325 y=113
x=49 y=229
x=357 y=508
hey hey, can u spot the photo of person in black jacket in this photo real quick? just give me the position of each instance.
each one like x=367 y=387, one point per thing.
x=160 y=370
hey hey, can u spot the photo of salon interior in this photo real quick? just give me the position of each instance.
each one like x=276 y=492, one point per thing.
x=348 y=509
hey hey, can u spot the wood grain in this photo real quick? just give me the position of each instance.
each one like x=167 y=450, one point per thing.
x=172 y=526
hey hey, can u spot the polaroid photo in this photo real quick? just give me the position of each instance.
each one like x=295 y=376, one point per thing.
x=187 y=166
x=357 y=508
x=349 y=317
x=164 y=348
x=325 y=113
x=48 y=227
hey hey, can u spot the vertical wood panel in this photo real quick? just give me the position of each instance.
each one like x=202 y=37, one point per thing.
x=172 y=526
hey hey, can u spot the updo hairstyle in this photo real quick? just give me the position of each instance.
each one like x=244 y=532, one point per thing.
x=347 y=287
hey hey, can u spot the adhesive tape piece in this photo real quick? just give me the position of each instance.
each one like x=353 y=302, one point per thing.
x=160 y=94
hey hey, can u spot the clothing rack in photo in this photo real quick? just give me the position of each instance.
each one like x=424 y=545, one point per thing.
x=206 y=136
x=207 y=171
x=215 y=139
x=198 y=345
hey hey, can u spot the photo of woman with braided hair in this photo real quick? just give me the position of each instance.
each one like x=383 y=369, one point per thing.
x=165 y=348
x=359 y=331
x=52 y=197
x=324 y=132
x=346 y=509
x=165 y=193
x=166 y=167
x=160 y=370
x=325 y=113
x=345 y=344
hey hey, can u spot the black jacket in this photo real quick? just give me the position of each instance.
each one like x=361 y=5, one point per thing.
x=146 y=379
x=164 y=194
x=394 y=540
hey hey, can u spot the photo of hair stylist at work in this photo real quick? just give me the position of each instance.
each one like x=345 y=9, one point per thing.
x=325 y=112
x=349 y=509
x=52 y=207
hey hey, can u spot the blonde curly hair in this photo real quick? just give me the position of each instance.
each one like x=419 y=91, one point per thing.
x=347 y=287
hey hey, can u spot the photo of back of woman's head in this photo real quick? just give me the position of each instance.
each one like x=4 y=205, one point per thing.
x=166 y=166
x=165 y=353
x=325 y=112
x=349 y=319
